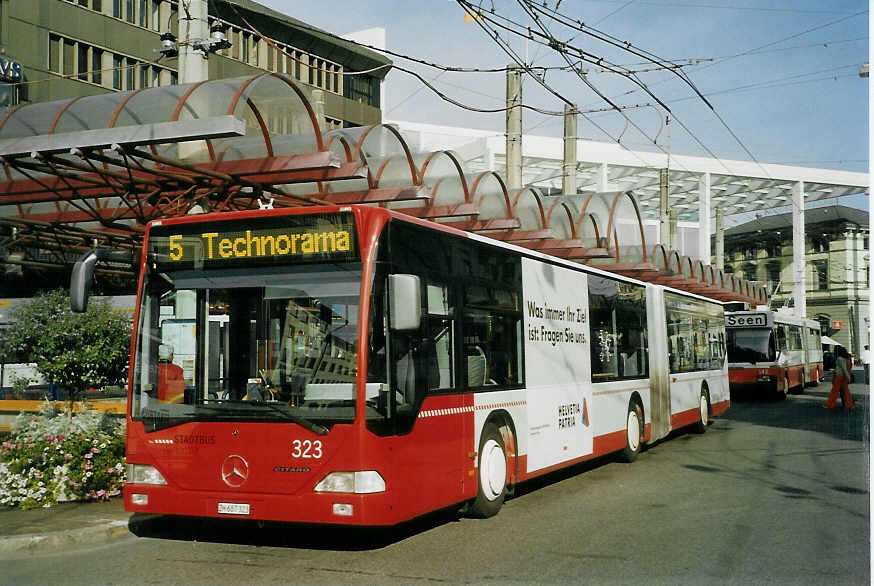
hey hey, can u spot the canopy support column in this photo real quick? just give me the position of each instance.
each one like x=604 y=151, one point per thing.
x=720 y=239
x=514 y=127
x=569 y=166
x=704 y=218
x=799 y=283
x=603 y=178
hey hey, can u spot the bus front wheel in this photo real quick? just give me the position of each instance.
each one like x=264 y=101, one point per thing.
x=703 y=412
x=633 y=432
x=491 y=474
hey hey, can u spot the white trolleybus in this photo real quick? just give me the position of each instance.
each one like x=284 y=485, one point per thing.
x=354 y=365
x=772 y=352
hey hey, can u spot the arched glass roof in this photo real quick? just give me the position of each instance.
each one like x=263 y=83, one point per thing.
x=98 y=168
x=277 y=111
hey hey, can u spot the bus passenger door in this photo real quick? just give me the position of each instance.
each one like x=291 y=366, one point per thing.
x=659 y=363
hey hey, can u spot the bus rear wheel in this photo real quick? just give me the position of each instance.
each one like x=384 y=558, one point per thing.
x=633 y=432
x=703 y=412
x=491 y=474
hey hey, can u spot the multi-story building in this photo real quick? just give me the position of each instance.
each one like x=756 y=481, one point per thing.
x=55 y=49
x=836 y=266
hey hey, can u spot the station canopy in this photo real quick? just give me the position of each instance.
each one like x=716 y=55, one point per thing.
x=93 y=171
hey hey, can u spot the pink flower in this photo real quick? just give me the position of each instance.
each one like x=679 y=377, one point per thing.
x=68 y=456
x=101 y=492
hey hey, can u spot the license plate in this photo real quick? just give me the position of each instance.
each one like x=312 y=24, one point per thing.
x=233 y=508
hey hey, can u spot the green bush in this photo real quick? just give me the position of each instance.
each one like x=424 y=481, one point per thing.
x=52 y=457
x=73 y=350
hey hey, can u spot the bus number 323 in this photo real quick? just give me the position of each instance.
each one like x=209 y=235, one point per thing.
x=306 y=449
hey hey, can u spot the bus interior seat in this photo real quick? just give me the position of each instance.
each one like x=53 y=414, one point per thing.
x=476 y=367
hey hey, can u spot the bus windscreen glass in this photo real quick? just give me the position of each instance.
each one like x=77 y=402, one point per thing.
x=232 y=339
x=751 y=345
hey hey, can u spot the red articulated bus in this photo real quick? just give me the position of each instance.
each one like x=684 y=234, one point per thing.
x=354 y=365
x=772 y=352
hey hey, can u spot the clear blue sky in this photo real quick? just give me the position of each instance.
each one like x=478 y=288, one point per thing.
x=783 y=76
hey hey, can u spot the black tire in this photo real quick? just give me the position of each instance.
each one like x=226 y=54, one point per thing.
x=491 y=483
x=703 y=412
x=633 y=432
x=781 y=395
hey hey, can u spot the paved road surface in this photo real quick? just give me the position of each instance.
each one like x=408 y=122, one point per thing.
x=773 y=493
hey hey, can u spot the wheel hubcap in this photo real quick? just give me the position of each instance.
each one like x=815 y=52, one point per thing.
x=703 y=409
x=633 y=431
x=493 y=470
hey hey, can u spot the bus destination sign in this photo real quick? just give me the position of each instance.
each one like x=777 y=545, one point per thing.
x=749 y=319
x=297 y=239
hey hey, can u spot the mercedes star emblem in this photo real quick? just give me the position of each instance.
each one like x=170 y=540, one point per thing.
x=235 y=471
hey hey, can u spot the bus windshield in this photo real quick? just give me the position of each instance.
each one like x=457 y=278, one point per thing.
x=750 y=345
x=254 y=344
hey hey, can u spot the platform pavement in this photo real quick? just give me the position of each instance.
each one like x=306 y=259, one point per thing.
x=62 y=526
x=90 y=523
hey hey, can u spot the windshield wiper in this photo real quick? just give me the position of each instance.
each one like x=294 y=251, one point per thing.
x=305 y=423
x=245 y=407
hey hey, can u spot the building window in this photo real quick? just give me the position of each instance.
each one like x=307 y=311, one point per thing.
x=749 y=271
x=129 y=11
x=775 y=249
x=365 y=89
x=773 y=269
x=69 y=55
x=97 y=66
x=8 y=95
x=156 y=15
x=819 y=244
x=82 y=62
x=130 y=75
x=85 y=62
x=244 y=47
x=116 y=8
x=820 y=270
x=117 y=62
x=55 y=53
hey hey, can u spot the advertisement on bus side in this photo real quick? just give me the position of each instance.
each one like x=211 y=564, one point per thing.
x=557 y=370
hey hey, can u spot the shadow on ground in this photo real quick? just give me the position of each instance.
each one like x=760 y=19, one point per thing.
x=278 y=534
x=805 y=412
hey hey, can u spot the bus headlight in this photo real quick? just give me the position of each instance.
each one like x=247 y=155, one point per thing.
x=142 y=474
x=361 y=482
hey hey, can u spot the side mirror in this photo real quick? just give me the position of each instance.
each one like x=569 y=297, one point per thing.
x=83 y=273
x=405 y=302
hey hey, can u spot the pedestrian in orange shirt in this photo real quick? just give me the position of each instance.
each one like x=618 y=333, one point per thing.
x=841 y=382
x=171 y=382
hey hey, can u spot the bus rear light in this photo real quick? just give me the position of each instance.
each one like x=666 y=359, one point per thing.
x=142 y=474
x=343 y=509
x=139 y=499
x=361 y=482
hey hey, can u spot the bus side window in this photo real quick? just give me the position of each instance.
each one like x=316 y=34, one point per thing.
x=439 y=331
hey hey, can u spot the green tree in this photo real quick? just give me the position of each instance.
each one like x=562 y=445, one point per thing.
x=73 y=350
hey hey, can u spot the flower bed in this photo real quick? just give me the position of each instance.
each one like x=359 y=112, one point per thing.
x=53 y=457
